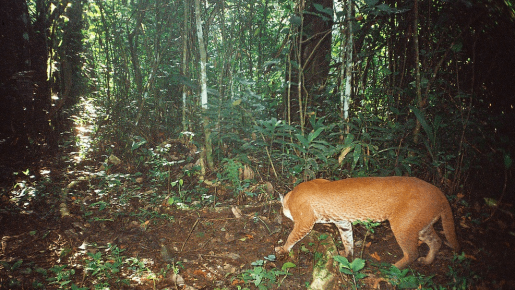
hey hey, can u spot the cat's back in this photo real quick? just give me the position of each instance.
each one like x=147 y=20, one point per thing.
x=364 y=197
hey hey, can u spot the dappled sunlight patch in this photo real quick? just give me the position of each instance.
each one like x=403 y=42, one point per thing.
x=25 y=191
x=85 y=124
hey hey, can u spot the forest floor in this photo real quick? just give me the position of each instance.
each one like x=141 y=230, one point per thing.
x=79 y=228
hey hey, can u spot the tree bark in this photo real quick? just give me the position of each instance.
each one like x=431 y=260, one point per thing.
x=184 y=68
x=348 y=62
x=420 y=105
x=311 y=52
x=24 y=90
x=203 y=87
x=16 y=83
x=133 y=47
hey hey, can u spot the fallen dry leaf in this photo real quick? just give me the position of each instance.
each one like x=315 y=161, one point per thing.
x=229 y=237
x=269 y=187
x=237 y=282
x=236 y=212
x=233 y=256
x=199 y=272
x=375 y=256
x=343 y=154
x=463 y=223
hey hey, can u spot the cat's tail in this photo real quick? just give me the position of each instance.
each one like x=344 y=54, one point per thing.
x=448 y=228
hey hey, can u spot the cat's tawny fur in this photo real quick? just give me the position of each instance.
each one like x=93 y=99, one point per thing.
x=411 y=206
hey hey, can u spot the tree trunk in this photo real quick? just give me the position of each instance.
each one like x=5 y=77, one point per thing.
x=24 y=90
x=16 y=77
x=203 y=87
x=416 y=131
x=348 y=62
x=310 y=50
x=39 y=55
x=184 y=67
x=133 y=47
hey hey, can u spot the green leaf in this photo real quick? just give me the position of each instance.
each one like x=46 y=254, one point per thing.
x=341 y=260
x=357 y=153
x=384 y=7
x=457 y=47
x=270 y=257
x=257 y=263
x=318 y=7
x=357 y=265
x=320 y=146
x=371 y=3
x=296 y=20
x=312 y=136
x=5 y=264
x=302 y=140
x=349 y=139
x=288 y=265
x=172 y=200
x=422 y=120
x=491 y=201
x=236 y=103
x=323 y=237
x=326 y=10
x=138 y=143
x=507 y=161
x=271 y=62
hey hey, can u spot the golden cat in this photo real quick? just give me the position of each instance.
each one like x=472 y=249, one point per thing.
x=411 y=206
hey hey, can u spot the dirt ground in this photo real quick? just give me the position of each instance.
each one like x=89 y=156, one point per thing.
x=114 y=242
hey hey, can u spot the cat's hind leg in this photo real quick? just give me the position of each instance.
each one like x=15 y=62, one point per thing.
x=431 y=238
x=407 y=238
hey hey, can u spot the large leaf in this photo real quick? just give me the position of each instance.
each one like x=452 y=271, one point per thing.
x=371 y=3
x=312 y=136
x=507 y=161
x=137 y=143
x=357 y=154
x=422 y=120
x=357 y=265
x=296 y=20
x=325 y=10
x=385 y=8
x=349 y=139
x=303 y=141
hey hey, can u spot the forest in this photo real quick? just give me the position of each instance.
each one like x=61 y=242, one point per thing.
x=144 y=144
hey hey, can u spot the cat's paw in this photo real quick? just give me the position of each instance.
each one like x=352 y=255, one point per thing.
x=280 y=251
x=425 y=260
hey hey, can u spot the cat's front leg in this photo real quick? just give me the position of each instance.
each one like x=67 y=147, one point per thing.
x=345 y=229
x=299 y=231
